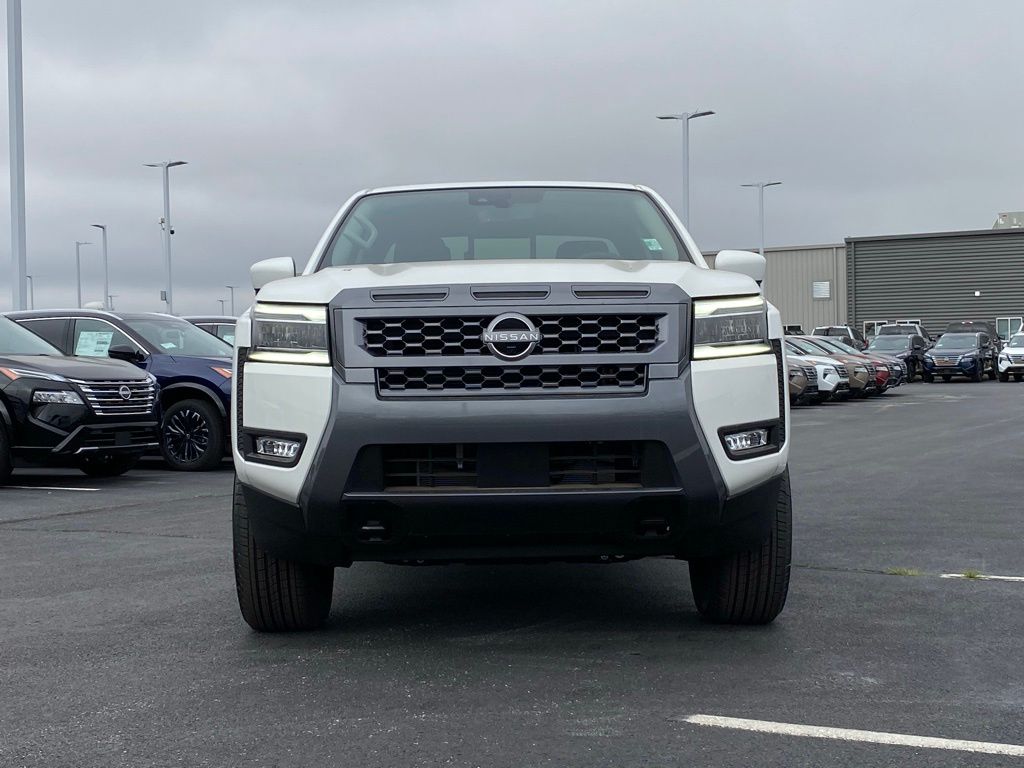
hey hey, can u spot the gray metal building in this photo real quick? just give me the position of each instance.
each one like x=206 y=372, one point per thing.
x=937 y=278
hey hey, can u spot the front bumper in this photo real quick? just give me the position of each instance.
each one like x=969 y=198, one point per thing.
x=964 y=368
x=334 y=507
x=1011 y=366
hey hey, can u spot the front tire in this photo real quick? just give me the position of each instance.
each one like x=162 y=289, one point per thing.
x=276 y=595
x=192 y=436
x=748 y=587
x=1004 y=377
x=926 y=377
x=110 y=464
x=6 y=462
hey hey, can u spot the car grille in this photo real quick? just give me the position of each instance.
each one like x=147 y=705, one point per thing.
x=104 y=397
x=95 y=439
x=560 y=334
x=946 y=360
x=558 y=465
x=1017 y=359
x=841 y=370
x=485 y=380
x=811 y=373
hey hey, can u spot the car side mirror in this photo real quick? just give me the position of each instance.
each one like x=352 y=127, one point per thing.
x=269 y=270
x=745 y=262
x=126 y=353
x=918 y=347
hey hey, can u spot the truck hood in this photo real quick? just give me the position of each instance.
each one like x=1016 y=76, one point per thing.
x=90 y=368
x=320 y=287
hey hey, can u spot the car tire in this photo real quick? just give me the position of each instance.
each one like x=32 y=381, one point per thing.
x=192 y=436
x=927 y=378
x=6 y=461
x=1018 y=377
x=979 y=373
x=748 y=587
x=1006 y=377
x=276 y=595
x=109 y=465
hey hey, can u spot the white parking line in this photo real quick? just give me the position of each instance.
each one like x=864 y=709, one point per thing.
x=849 y=734
x=982 y=577
x=46 y=488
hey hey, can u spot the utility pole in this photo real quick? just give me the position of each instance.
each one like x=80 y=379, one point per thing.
x=760 y=185
x=16 y=117
x=232 y=289
x=221 y=305
x=31 y=292
x=78 y=267
x=106 y=269
x=685 y=118
x=166 y=224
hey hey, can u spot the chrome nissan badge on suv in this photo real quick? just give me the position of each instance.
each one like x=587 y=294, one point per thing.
x=532 y=371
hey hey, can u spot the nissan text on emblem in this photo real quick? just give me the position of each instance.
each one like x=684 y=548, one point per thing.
x=511 y=336
x=125 y=392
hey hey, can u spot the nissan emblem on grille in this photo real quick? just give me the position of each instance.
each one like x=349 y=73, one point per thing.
x=511 y=336
x=125 y=392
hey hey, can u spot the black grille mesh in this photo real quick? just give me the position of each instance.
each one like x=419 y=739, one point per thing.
x=780 y=364
x=539 y=378
x=459 y=336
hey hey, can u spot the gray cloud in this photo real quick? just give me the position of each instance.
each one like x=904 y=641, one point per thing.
x=878 y=117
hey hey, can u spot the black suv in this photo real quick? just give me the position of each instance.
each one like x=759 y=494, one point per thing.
x=910 y=349
x=192 y=367
x=97 y=415
x=962 y=354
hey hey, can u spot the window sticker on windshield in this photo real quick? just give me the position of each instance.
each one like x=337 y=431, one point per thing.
x=169 y=345
x=652 y=244
x=93 y=343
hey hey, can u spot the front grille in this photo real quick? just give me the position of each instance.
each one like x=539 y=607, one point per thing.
x=563 y=379
x=1017 y=359
x=459 y=336
x=842 y=371
x=811 y=373
x=104 y=397
x=121 y=437
x=946 y=360
x=523 y=465
x=783 y=384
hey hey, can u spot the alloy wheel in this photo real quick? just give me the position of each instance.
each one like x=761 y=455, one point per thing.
x=187 y=435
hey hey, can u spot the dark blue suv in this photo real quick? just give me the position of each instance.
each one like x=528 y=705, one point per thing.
x=192 y=367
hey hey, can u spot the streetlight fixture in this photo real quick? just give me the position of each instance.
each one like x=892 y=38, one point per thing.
x=106 y=271
x=110 y=301
x=31 y=292
x=166 y=224
x=232 y=289
x=221 y=305
x=760 y=185
x=78 y=267
x=685 y=118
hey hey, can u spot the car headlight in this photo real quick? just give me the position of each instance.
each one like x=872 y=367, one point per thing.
x=830 y=371
x=17 y=373
x=730 y=327
x=969 y=357
x=290 y=333
x=58 y=396
x=929 y=358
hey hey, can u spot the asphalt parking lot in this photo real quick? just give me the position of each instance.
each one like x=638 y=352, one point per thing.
x=121 y=643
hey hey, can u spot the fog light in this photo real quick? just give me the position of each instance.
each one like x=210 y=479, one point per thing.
x=61 y=396
x=745 y=441
x=276 y=447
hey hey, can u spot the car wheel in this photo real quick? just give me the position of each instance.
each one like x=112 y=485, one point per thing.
x=1003 y=376
x=1018 y=377
x=748 y=587
x=979 y=373
x=6 y=462
x=926 y=377
x=276 y=595
x=192 y=436
x=109 y=464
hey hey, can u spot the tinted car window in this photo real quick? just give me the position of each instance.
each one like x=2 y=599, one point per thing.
x=15 y=340
x=889 y=343
x=93 y=338
x=957 y=341
x=51 y=330
x=178 y=337
x=517 y=223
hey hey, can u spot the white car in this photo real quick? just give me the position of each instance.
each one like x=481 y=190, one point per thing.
x=1011 y=359
x=509 y=371
x=829 y=377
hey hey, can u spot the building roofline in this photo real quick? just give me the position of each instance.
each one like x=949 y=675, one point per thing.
x=932 y=235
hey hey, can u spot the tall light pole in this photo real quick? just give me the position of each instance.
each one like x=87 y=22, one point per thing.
x=78 y=267
x=221 y=305
x=16 y=117
x=166 y=223
x=110 y=301
x=31 y=292
x=106 y=271
x=760 y=185
x=685 y=118
x=232 y=289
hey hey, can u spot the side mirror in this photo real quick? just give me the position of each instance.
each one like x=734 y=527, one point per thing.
x=745 y=262
x=918 y=347
x=126 y=353
x=269 y=270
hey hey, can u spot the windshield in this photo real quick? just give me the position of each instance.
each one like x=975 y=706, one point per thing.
x=178 y=337
x=15 y=340
x=806 y=348
x=1015 y=341
x=504 y=223
x=840 y=346
x=827 y=346
x=957 y=341
x=889 y=343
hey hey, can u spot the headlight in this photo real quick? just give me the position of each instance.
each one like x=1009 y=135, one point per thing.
x=730 y=327
x=60 y=396
x=929 y=358
x=830 y=371
x=969 y=357
x=290 y=333
x=17 y=373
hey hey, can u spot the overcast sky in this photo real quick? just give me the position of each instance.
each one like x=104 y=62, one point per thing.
x=878 y=117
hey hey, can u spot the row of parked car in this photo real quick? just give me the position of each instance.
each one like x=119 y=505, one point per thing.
x=114 y=387
x=835 y=361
